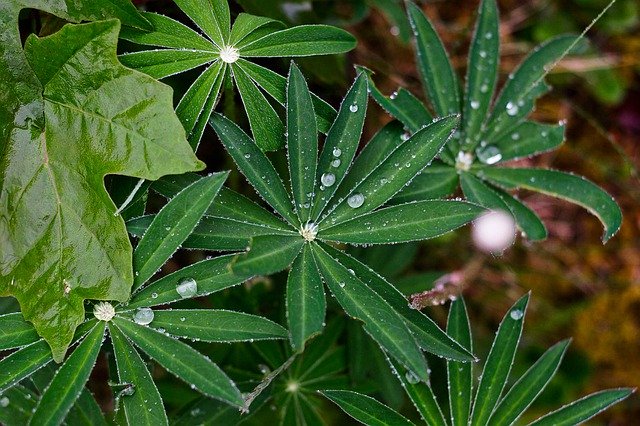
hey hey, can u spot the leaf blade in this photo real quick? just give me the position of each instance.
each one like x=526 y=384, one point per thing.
x=365 y=409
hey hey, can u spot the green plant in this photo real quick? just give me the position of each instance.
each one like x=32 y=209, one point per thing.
x=492 y=131
x=491 y=403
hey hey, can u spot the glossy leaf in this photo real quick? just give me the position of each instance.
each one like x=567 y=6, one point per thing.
x=16 y=332
x=69 y=380
x=436 y=181
x=498 y=365
x=23 y=362
x=267 y=255
x=402 y=105
x=172 y=225
x=529 y=138
x=210 y=16
x=302 y=142
x=248 y=28
x=210 y=325
x=167 y=62
x=166 y=32
x=306 y=304
x=17 y=406
x=405 y=222
x=303 y=40
x=99 y=118
x=182 y=360
x=438 y=77
x=460 y=375
x=144 y=406
x=563 y=185
x=380 y=320
x=365 y=409
x=529 y=386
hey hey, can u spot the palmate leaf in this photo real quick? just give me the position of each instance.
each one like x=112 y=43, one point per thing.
x=224 y=50
x=365 y=409
x=97 y=118
x=489 y=134
x=460 y=375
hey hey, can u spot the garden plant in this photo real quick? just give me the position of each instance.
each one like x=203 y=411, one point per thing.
x=187 y=228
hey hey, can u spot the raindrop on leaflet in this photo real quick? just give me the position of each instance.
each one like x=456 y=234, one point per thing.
x=247 y=156
x=336 y=163
x=337 y=152
x=328 y=179
x=187 y=287
x=489 y=154
x=353 y=108
x=143 y=316
x=355 y=201
x=516 y=314
x=512 y=109
x=412 y=377
x=4 y=402
x=475 y=104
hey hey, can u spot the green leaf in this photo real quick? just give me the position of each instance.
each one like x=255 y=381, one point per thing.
x=211 y=16
x=583 y=409
x=566 y=186
x=166 y=32
x=438 y=77
x=365 y=409
x=436 y=181
x=266 y=126
x=302 y=142
x=144 y=406
x=267 y=254
x=478 y=192
x=166 y=62
x=517 y=98
x=99 y=118
x=276 y=86
x=86 y=411
x=429 y=336
x=380 y=320
x=343 y=139
x=529 y=138
x=23 y=362
x=16 y=332
x=405 y=222
x=496 y=370
x=482 y=72
x=248 y=28
x=402 y=105
x=529 y=386
x=255 y=166
x=395 y=171
x=20 y=401
x=303 y=40
x=460 y=375
x=210 y=275
x=526 y=219
x=172 y=225
x=69 y=380
x=182 y=360
x=306 y=304
x=217 y=325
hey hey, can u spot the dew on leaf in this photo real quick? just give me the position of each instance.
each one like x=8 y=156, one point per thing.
x=143 y=316
x=336 y=163
x=516 y=314
x=337 y=152
x=328 y=179
x=355 y=201
x=411 y=377
x=353 y=108
x=187 y=287
x=512 y=109
x=4 y=402
x=489 y=154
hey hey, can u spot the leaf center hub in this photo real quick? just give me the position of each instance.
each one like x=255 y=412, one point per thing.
x=229 y=54
x=309 y=231
x=104 y=311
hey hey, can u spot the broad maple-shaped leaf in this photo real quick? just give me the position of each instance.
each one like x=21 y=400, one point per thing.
x=61 y=242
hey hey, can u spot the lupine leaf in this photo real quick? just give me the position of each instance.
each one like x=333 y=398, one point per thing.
x=498 y=365
x=16 y=332
x=365 y=409
x=172 y=225
x=306 y=304
x=99 y=118
x=166 y=32
x=478 y=192
x=18 y=403
x=563 y=185
x=303 y=40
x=211 y=16
x=248 y=28
x=529 y=138
x=23 y=362
x=182 y=360
x=166 y=62
x=403 y=106
x=86 y=411
x=405 y=222
x=267 y=254
x=69 y=380
x=436 y=181
x=529 y=386
x=526 y=219
x=460 y=375
x=211 y=325
x=144 y=406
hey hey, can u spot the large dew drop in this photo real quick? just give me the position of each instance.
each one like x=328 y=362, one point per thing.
x=353 y=108
x=187 y=287
x=489 y=154
x=512 y=109
x=143 y=316
x=516 y=314
x=337 y=152
x=328 y=179
x=355 y=201
x=411 y=377
x=4 y=402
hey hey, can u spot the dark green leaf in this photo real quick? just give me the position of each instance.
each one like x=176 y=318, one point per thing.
x=17 y=405
x=16 y=332
x=167 y=62
x=303 y=40
x=436 y=181
x=402 y=105
x=460 y=375
x=478 y=192
x=529 y=138
x=166 y=32
x=526 y=219
x=86 y=411
x=211 y=16
x=23 y=362
x=248 y=28
x=267 y=254
x=365 y=409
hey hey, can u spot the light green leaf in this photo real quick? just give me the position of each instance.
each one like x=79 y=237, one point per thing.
x=255 y=166
x=267 y=254
x=303 y=40
x=302 y=142
x=436 y=181
x=306 y=304
x=210 y=325
x=266 y=126
x=16 y=332
x=529 y=138
x=380 y=320
x=167 y=32
x=166 y=62
x=482 y=72
x=415 y=221
x=210 y=275
x=566 y=186
x=144 y=406
x=460 y=375
x=438 y=77
x=365 y=409
x=498 y=365
x=583 y=409
x=248 y=28
x=99 y=118
x=529 y=386
x=69 y=380
x=211 y=16
x=182 y=360
x=172 y=225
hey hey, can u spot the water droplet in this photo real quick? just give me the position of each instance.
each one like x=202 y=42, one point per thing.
x=336 y=162
x=337 y=152
x=489 y=154
x=353 y=108
x=393 y=95
x=411 y=377
x=247 y=156
x=512 y=109
x=515 y=136
x=187 y=287
x=475 y=104
x=483 y=54
x=4 y=402
x=143 y=316
x=328 y=179
x=516 y=314
x=154 y=295
x=484 y=88
x=355 y=201
x=488 y=36
x=342 y=284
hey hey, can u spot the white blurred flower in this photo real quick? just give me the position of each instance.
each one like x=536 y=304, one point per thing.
x=494 y=231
